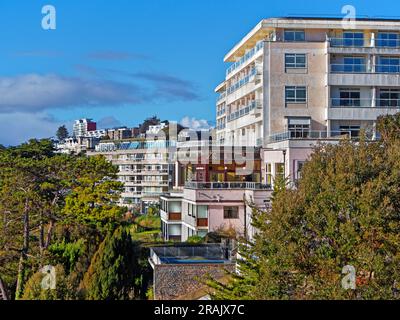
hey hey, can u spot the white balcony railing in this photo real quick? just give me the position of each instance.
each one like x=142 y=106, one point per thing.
x=242 y=82
x=308 y=134
x=227 y=185
x=244 y=110
x=245 y=58
x=364 y=103
x=364 y=68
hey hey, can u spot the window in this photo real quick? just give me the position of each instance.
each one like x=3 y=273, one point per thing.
x=353 y=131
x=354 y=64
x=243 y=132
x=388 y=64
x=295 y=35
x=386 y=39
x=202 y=212
x=389 y=98
x=300 y=165
x=299 y=127
x=268 y=173
x=295 y=94
x=353 y=39
x=231 y=212
x=349 y=98
x=295 y=60
x=279 y=170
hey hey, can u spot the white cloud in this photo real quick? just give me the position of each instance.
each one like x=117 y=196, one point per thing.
x=195 y=124
x=34 y=93
x=16 y=128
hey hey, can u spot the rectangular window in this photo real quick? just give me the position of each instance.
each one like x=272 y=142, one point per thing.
x=353 y=131
x=268 y=173
x=300 y=165
x=202 y=212
x=354 y=64
x=386 y=39
x=299 y=127
x=388 y=65
x=353 y=39
x=349 y=98
x=231 y=212
x=295 y=35
x=295 y=60
x=296 y=94
x=389 y=98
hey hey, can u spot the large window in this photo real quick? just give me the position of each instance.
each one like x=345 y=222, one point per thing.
x=295 y=94
x=354 y=64
x=353 y=39
x=353 y=131
x=295 y=35
x=231 y=212
x=348 y=98
x=295 y=60
x=389 y=98
x=299 y=127
x=386 y=39
x=388 y=65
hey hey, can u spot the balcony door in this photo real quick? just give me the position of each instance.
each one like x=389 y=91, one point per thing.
x=350 y=98
x=354 y=64
x=299 y=127
x=389 y=98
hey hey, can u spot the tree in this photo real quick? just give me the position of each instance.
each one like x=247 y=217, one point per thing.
x=113 y=269
x=40 y=190
x=344 y=211
x=62 y=133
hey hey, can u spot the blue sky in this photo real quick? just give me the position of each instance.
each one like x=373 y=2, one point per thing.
x=121 y=61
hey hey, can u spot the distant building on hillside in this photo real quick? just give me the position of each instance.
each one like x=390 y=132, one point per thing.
x=83 y=126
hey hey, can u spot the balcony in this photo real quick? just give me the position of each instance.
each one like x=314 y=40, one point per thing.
x=227 y=185
x=245 y=58
x=250 y=77
x=362 y=109
x=364 y=75
x=308 y=135
x=350 y=42
x=243 y=111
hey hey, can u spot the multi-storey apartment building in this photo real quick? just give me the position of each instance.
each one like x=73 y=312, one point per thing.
x=144 y=168
x=293 y=81
x=81 y=127
x=219 y=186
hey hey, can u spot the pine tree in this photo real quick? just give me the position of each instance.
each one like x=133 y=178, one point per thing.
x=113 y=269
x=62 y=133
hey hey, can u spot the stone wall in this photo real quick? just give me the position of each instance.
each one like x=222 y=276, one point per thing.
x=175 y=281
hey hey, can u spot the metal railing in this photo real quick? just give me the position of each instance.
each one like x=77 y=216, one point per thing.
x=351 y=102
x=387 y=43
x=350 y=42
x=364 y=103
x=349 y=68
x=243 y=111
x=227 y=185
x=364 y=68
x=245 y=58
x=242 y=82
x=308 y=134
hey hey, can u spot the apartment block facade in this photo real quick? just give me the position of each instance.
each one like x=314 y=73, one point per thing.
x=291 y=83
x=144 y=168
x=295 y=81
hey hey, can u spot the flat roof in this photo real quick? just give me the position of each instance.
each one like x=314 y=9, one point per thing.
x=265 y=26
